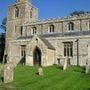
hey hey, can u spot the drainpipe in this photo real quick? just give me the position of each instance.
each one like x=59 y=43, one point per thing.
x=77 y=52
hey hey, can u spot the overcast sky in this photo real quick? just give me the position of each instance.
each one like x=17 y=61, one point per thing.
x=50 y=8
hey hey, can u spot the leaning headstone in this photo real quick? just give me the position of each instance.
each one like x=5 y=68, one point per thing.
x=88 y=60
x=66 y=63
x=1 y=68
x=8 y=73
x=1 y=72
x=40 y=71
x=87 y=67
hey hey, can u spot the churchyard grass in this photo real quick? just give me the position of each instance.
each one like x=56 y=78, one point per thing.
x=54 y=78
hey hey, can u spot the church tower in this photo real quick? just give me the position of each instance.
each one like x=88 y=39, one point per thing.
x=18 y=1
x=19 y=13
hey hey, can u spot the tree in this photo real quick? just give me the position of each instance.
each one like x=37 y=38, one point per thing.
x=79 y=13
x=2 y=46
x=2 y=38
x=3 y=24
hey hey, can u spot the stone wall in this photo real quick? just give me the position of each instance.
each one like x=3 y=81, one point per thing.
x=59 y=46
x=61 y=24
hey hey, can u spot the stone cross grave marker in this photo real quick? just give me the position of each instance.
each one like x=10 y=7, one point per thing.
x=8 y=73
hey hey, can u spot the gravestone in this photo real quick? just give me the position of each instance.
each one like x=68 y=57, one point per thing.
x=40 y=71
x=8 y=73
x=87 y=67
x=1 y=72
x=66 y=63
x=88 y=60
x=1 y=68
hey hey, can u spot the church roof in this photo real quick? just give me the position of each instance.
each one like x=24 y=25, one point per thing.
x=64 y=34
x=46 y=42
x=68 y=33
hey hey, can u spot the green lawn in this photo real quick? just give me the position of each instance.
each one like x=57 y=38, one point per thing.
x=54 y=78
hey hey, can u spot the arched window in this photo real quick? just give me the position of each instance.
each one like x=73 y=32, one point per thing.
x=21 y=30
x=89 y=25
x=34 y=30
x=37 y=56
x=16 y=12
x=31 y=13
x=71 y=26
x=51 y=28
x=23 y=50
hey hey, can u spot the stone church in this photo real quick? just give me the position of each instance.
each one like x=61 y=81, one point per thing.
x=45 y=42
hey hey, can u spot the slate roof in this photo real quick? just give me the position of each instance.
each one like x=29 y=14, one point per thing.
x=64 y=34
x=43 y=39
x=46 y=43
x=69 y=33
x=24 y=37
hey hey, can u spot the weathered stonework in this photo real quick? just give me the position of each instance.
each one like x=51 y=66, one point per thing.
x=8 y=73
x=66 y=63
x=88 y=60
x=27 y=19
x=40 y=71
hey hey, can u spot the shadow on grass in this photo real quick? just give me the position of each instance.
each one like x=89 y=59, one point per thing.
x=37 y=73
x=79 y=69
x=2 y=79
x=60 y=67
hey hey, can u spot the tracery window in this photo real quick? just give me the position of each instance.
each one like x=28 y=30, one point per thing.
x=68 y=49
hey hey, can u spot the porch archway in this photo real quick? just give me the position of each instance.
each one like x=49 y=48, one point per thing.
x=37 y=56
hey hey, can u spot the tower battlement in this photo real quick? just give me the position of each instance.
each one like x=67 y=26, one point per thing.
x=20 y=1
